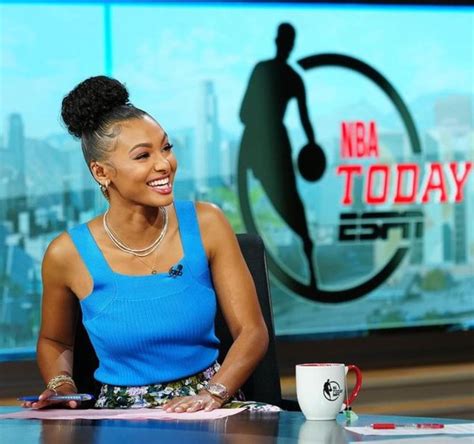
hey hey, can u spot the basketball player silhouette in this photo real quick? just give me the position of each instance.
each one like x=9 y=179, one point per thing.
x=327 y=389
x=265 y=143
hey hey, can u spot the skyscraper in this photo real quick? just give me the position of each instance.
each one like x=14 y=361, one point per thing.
x=184 y=151
x=207 y=155
x=15 y=147
x=447 y=243
x=461 y=235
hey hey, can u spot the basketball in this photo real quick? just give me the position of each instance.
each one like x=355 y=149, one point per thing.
x=311 y=162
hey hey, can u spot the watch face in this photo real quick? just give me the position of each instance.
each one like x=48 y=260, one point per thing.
x=217 y=390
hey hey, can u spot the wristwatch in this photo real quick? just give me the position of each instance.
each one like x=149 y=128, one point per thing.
x=218 y=390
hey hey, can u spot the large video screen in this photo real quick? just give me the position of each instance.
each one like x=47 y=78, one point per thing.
x=342 y=134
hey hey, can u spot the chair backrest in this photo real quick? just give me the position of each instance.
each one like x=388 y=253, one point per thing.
x=263 y=385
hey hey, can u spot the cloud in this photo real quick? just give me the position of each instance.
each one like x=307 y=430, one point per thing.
x=433 y=69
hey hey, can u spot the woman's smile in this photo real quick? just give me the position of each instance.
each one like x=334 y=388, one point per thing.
x=162 y=186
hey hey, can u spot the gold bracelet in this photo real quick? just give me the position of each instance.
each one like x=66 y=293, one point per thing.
x=59 y=380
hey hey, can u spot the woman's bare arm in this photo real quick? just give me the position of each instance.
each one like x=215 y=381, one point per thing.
x=58 y=320
x=237 y=298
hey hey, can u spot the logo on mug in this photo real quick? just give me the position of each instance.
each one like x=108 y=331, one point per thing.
x=331 y=390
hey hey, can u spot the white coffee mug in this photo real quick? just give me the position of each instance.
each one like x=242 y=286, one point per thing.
x=320 y=388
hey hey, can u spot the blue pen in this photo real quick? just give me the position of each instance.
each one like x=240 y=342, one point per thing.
x=75 y=397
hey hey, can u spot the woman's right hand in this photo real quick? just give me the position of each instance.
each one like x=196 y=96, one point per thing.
x=65 y=389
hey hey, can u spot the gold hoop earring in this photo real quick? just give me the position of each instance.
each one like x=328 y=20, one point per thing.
x=104 y=188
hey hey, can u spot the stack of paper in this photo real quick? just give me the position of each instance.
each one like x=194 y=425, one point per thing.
x=119 y=414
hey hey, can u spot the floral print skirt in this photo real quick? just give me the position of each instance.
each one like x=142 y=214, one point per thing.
x=155 y=395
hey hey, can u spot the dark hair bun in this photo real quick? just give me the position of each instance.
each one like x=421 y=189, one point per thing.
x=84 y=107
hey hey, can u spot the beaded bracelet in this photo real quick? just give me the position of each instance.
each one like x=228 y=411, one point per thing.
x=59 y=380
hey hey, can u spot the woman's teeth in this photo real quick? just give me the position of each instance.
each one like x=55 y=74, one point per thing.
x=159 y=182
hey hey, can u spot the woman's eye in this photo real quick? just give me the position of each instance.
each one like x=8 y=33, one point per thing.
x=167 y=147
x=142 y=156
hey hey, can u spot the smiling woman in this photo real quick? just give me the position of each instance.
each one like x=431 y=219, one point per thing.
x=148 y=274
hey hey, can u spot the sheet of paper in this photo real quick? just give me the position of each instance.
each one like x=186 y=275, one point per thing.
x=454 y=429
x=119 y=414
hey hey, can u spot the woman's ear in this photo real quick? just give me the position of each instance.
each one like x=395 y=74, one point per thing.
x=99 y=171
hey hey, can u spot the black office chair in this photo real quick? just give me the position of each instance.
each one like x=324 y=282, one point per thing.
x=263 y=385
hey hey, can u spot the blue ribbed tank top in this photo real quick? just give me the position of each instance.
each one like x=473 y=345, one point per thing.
x=154 y=328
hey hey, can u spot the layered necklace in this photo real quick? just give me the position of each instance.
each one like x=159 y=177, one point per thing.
x=138 y=252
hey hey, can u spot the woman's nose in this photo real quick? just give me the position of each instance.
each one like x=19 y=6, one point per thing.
x=161 y=163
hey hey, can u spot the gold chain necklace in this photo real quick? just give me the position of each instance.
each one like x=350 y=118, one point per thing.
x=142 y=252
x=152 y=268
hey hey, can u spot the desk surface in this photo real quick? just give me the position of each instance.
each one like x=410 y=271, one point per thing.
x=244 y=428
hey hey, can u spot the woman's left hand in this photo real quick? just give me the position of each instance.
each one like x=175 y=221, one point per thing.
x=202 y=401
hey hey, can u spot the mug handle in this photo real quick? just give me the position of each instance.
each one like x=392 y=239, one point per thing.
x=358 y=384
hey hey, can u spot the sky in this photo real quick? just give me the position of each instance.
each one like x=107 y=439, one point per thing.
x=163 y=52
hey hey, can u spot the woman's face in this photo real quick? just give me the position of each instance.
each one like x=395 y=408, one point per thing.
x=142 y=164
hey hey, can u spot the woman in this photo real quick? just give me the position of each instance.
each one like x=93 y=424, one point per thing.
x=148 y=274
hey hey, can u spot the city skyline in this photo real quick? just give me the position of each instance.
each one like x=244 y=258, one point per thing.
x=74 y=204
